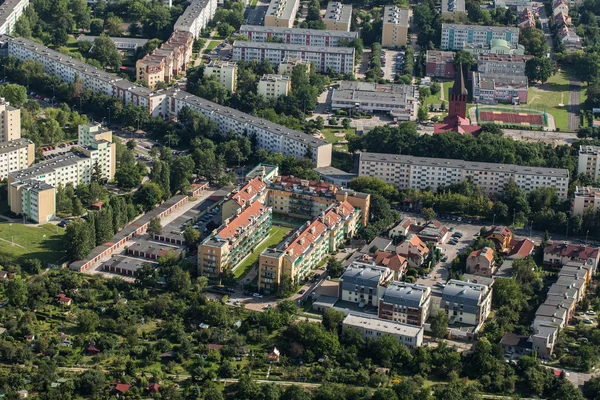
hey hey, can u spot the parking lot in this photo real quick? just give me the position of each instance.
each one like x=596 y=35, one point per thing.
x=392 y=63
x=224 y=51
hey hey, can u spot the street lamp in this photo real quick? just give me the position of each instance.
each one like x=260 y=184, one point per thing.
x=514 y=213
x=586 y=236
x=108 y=108
x=494 y=220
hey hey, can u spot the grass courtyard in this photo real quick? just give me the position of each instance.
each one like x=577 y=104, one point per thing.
x=276 y=235
x=44 y=242
x=211 y=45
x=436 y=98
x=549 y=96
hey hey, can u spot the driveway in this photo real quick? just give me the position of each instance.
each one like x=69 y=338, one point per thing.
x=573 y=107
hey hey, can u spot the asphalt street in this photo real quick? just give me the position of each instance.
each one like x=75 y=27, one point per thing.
x=573 y=107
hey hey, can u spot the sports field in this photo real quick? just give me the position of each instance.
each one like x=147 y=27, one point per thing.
x=511 y=118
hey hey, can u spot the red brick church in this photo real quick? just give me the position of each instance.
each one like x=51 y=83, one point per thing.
x=457 y=120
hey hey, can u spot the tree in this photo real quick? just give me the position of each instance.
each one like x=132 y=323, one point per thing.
x=15 y=94
x=464 y=58
x=591 y=388
x=422 y=113
x=335 y=268
x=16 y=291
x=148 y=195
x=534 y=42
x=439 y=325
x=88 y=321
x=286 y=287
x=154 y=226
x=80 y=239
x=332 y=319
x=566 y=391
x=32 y=266
x=77 y=207
x=91 y=383
x=181 y=173
x=113 y=26
x=435 y=88
x=81 y=14
x=429 y=214
x=538 y=69
x=96 y=27
x=179 y=281
x=373 y=185
x=192 y=237
x=105 y=51
x=225 y=30
x=294 y=392
x=424 y=92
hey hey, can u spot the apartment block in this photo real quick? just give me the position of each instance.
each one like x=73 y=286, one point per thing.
x=305 y=37
x=307 y=247
x=440 y=64
x=338 y=16
x=228 y=245
x=397 y=100
x=196 y=17
x=225 y=72
x=465 y=302
x=338 y=59
x=589 y=161
x=422 y=172
x=496 y=46
x=15 y=155
x=253 y=190
x=31 y=191
x=306 y=199
x=272 y=86
x=503 y=64
x=457 y=37
x=373 y=328
x=406 y=303
x=453 y=8
x=268 y=135
x=364 y=284
x=125 y=45
x=395 y=27
x=281 y=13
x=585 y=198
x=496 y=88
x=10 y=122
x=10 y=11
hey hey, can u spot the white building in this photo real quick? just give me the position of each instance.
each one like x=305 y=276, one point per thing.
x=589 y=161
x=495 y=88
x=272 y=86
x=585 y=198
x=398 y=100
x=456 y=37
x=125 y=45
x=339 y=59
x=225 y=72
x=504 y=64
x=196 y=17
x=364 y=284
x=15 y=155
x=466 y=302
x=10 y=11
x=373 y=328
x=421 y=172
x=305 y=37
x=338 y=16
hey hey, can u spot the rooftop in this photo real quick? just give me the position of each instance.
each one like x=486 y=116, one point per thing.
x=298 y=31
x=282 y=8
x=249 y=191
x=384 y=326
x=372 y=92
x=293 y=47
x=12 y=145
x=437 y=56
x=411 y=295
x=494 y=81
x=395 y=15
x=191 y=13
x=364 y=275
x=238 y=223
x=514 y=31
x=127 y=263
x=339 y=12
x=453 y=6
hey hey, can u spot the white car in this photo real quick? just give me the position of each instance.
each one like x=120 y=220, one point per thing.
x=257 y=295
x=590 y=312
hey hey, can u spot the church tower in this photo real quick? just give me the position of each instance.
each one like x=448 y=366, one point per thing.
x=458 y=96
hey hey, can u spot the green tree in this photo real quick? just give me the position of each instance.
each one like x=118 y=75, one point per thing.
x=149 y=195
x=96 y=27
x=332 y=319
x=181 y=173
x=113 y=26
x=106 y=52
x=439 y=325
x=335 y=268
x=429 y=214
x=534 y=42
x=225 y=30
x=15 y=94
x=77 y=207
x=88 y=321
x=539 y=69
x=154 y=226
x=91 y=383
x=192 y=237
x=81 y=13
x=80 y=240
x=32 y=266
x=16 y=292
x=422 y=113
x=464 y=58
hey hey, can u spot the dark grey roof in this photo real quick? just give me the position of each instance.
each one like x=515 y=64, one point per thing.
x=405 y=294
x=297 y=31
x=362 y=275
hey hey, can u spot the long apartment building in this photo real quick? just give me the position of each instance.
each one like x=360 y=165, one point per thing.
x=338 y=16
x=466 y=302
x=395 y=27
x=397 y=100
x=585 y=198
x=224 y=71
x=10 y=11
x=407 y=303
x=496 y=88
x=196 y=17
x=457 y=37
x=281 y=13
x=307 y=247
x=32 y=191
x=503 y=64
x=233 y=241
x=167 y=61
x=339 y=59
x=305 y=37
x=589 y=161
x=422 y=172
x=373 y=328
x=269 y=135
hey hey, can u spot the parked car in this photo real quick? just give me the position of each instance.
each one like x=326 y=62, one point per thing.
x=590 y=312
x=302 y=291
x=257 y=295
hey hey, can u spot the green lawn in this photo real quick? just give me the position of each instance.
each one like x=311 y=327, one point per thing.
x=44 y=242
x=435 y=98
x=254 y=3
x=549 y=96
x=276 y=235
x=211 y=45
x=329 y=133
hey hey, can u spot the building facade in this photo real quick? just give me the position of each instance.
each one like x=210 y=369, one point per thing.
x=421 y=172
x=395 y=27
x=338 y=16
x=440 y=64
x=364 y=284
x=338 y=59
x=373 y=328
x=196 y=17
x=495 y=88
x=272 y=86
x=10 y=11
x=502 y=64
x=465 y=302
x=457 y=37
x=588 y=161
x=406 y=303
x=225 y=73
x=585 y=198
x=10 y=122
x=481 y=262
x=281 y=13
x=299 y=36
x=15 y=155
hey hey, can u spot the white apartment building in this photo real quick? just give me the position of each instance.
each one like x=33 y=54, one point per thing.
x=15 y=155
x=225 y=72
x=422 y=172
x=503 y=64
x=10 y=11
x=272 y=86
x=585 y=198
x=281 y=13
x=269 y=135
x=338 y=16
x=398 y=100
x=589 y=161
x=305 y=37
x=196 y=17
x=364 y=284
x=338 y=59
x=495 y=88
x=373 y=328
x=457 y=37
x=395 y=27
x=466 y=302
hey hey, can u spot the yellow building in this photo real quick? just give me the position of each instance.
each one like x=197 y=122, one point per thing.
x=281 y=13
x=224 y=71
x=395 y=27
x=272 y=86
x=10 y=122
x=253 y=190
x=150 y=70
x=338 y=16
x=33 y=199
x=307 y=247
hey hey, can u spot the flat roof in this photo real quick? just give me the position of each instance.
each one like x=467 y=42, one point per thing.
x=439 y=56
x=461 y=164
x=395 y=15
x=505 y=29
x=293 y=47
x=370 y=91
x=453 y=6
x=117 y=40
x=128 y=263
x=493 y=81
x=382 y=325
x=282 y=8
x=339 y=12
x=297 y=31
x=12 y=145
x=8 y=8
x=49 y=166
x=191 y=13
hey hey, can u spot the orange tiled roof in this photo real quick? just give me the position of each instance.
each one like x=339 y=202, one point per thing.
x=306 y=238
x=522 y=248
x=486 y=252
x=250 y=189
x=242 y=220
x=419 y=244
x=395 y=262
x=291 y=182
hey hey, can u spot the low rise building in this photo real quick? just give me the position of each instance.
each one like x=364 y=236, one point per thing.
x=373 y=328
x=299 y=36
x=495 y=46
x=397 y=100
x=395 y=27
x=421 y=173
x=465 y=302
x=561 y=19
x=414 y=250
x=496 y=88
x=406 y=303
x=364 y=284
x=560 y=6
x=126 y=45
x=502 y=64
x=281 y=13
x=225 y=73
x=501 y=236
x=481 y=262
x=335 y=176
x=585 y=199
x=272 y=86
x=440 y=64
x=338 y=16
x=228 y=245
x=560 y=253
x=337 y=59
x=544 y=339
x=526 y=18
x=569 y=38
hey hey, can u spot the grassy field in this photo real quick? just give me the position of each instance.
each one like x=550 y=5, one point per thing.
x=211 y=45
x=44 y=242
x=276 y=235
x=436 y=98
x=329 y=133
x=549 y=96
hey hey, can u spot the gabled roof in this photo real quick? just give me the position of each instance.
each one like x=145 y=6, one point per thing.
x=242 y=220
x=121 y=387
x=395 y=262
x=486 y=253
x=418 y=244
x=249 y=191
x=571 y=250
x=521 y=248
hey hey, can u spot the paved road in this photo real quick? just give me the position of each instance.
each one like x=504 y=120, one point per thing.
x=573 y=107
x=256 y=16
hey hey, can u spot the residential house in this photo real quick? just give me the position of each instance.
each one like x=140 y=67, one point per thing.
x=403 y=228
x=526 y=18
x=395 y=262
x=93 y=350
x=560 y=253
x=501 y=236
x=560 y=6
x=253 y=190
x=414 y=250
x=516 y=344
x=481 y=262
